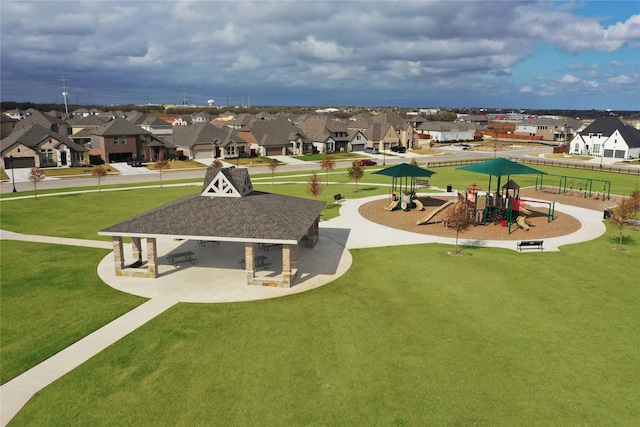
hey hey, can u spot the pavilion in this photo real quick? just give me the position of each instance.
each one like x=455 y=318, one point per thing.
x=227 y=209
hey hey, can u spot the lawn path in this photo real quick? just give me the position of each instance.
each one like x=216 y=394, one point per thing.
x=17 y=392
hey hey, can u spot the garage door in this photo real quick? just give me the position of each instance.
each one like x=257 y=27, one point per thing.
x=20 y=162
x=619 y=154
x=274 y=151
x=608 y=153
x=357 y=147
x=202 y=154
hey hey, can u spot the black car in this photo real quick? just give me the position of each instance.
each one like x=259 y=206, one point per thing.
x=399 y=149
x=134 y=162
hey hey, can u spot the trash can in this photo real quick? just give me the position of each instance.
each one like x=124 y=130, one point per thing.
x=449 y=188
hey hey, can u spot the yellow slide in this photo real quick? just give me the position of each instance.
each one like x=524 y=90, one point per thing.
x=525 y=211
x=391 y=206
x=522 y=223
x=434 y=212
x=419 y=204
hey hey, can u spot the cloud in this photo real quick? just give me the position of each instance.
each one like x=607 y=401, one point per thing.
x=622 y=80
x=569 y=78
x=438 y=52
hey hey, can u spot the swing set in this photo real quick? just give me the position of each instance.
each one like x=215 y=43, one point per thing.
x=583 y=185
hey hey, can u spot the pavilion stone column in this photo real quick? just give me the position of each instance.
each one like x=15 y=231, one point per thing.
x=312 y=234
x=136 y=248
x=289 y=253
x=152 y=257
x=118 y=254
x=249 y=255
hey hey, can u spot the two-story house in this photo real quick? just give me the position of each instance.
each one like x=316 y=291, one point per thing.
x=608 y=137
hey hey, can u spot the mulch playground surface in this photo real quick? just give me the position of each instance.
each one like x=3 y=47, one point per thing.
x=539 y=227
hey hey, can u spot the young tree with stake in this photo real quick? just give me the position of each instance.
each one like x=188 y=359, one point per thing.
x=355 y=173
x=99 y=172
x=315 y=189
x=327 y=164
x=36 y=175
x=161 y=165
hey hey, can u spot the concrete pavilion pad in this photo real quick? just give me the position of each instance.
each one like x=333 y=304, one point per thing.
x=217 y=275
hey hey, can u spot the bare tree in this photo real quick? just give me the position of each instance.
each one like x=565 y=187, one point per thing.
x=622 y=215
x=36 y=175
x=458 y=219
x=216 y=164
x=161 y=165
x=273 y=165
x=315 y=188
x=355 y=173
x=327 y=164
x=99 y=172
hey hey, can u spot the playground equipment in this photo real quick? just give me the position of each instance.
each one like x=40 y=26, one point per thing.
x=522 y=223
x=583 y=185
x=435 y=212
x=418 y=204
x=395 y=200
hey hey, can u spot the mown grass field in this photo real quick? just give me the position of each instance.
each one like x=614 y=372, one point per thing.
x=408 y=336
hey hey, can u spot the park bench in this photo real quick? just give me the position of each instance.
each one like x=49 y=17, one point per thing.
x=338 y=198
x=260 y=261
x=203 y=243
x=530 y=244
x=422 y=182
x=179 y=257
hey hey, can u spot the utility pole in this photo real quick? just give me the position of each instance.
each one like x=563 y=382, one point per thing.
x=65 y=95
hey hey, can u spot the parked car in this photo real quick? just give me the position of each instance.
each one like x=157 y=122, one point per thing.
x=366 y=162
x=399 y=149
x=372 y=150
x=134 y=162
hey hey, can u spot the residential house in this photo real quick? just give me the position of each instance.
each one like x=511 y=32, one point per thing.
x=326 y=134
x=15 y=114
x=152 y=124
x=49 y=122
x=278 y=137
x=608 y=137
x=447 y=131
x=7 y=124
x=549 y=129
x=120 y=140
x=401 y=127
x=206 y=141
x=37 y=146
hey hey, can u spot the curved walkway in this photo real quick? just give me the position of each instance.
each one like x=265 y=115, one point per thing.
x=204 y=283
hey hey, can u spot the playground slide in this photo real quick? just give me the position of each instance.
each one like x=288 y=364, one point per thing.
x=525 y=211
x=391 y=206
x=419 y=204
x=434 y=212
x=522 y=223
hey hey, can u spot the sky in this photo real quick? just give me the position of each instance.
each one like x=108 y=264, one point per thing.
x=448 y=54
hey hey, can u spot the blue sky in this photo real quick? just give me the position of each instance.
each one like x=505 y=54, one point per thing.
x=509 y=54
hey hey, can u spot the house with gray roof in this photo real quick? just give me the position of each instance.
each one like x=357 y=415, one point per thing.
x=37 y=146
x=207 y=141
x=326 y=134
x=447 y=131
x=607 y=137
x=227 y=210
x=278 y=137
x=120 y=140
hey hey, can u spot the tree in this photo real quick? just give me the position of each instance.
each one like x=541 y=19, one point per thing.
x=273 y=165
x=327 y=164
x=355 y=173
x=216 y=164
x=458 y=219
x=622 y=215
x=36 y=175
x=99 y=172
x=315 y=189
x=161 y=165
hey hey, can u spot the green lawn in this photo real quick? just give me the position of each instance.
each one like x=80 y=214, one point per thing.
x=409 y=336
x=51 y=297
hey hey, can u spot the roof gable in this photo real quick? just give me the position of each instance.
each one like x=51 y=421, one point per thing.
x=119 y=127
x=227 y=182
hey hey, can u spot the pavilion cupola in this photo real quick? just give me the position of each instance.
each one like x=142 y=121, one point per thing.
x=226 y=182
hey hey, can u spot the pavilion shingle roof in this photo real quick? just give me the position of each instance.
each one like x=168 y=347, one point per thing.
x=257 y=216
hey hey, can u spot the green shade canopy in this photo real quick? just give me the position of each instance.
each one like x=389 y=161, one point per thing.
x=404 y=170
x=500 y=167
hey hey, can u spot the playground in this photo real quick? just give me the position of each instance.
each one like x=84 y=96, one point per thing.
x=539 y=226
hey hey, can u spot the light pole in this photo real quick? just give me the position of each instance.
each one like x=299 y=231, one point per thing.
x=13 y=178
x=384 y=157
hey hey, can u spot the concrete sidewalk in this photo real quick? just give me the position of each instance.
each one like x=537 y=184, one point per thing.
x=17 y=392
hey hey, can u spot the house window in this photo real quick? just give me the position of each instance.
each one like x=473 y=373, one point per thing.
x=123 y=139
x=576 y=149
x=596 y=149
x=115 y=140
